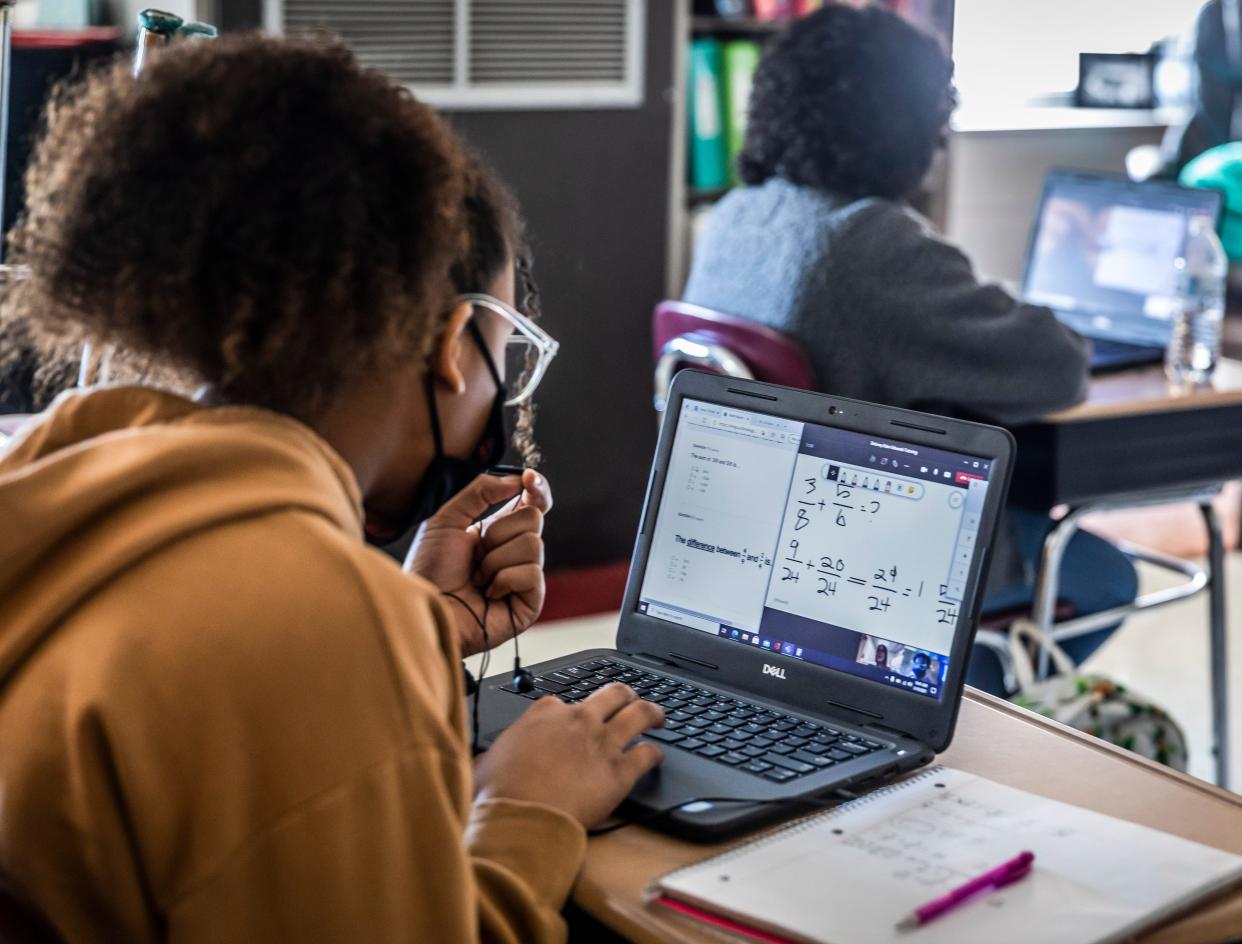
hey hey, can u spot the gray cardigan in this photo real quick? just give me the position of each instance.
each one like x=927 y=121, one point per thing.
x=886 y=310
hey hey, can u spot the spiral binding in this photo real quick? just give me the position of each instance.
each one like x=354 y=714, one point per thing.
x=802 y=825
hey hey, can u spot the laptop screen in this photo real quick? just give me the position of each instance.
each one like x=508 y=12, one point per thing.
x=839 y=548
x=1103 y=251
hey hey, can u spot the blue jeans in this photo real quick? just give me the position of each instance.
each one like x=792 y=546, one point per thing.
x=1095 y=576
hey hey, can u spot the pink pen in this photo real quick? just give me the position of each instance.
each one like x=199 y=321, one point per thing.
x=1013 y=870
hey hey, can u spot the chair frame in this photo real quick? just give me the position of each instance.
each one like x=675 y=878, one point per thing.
x=699 y=350
x=703 y=341
x=1209 y=579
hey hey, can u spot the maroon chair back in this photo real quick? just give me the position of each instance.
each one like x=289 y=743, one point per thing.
x=686 y=335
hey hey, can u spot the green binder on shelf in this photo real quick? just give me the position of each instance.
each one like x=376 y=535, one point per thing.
x=741 y=58
x=709 y=153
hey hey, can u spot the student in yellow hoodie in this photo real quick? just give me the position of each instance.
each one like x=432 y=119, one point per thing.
x=223 y=716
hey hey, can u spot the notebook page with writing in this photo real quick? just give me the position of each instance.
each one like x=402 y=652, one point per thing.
x=849 y=875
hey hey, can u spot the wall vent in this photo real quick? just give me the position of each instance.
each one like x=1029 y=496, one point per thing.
x=489 y=53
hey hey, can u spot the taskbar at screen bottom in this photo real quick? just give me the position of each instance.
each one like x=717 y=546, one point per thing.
x=915 y=670
x=883 y=660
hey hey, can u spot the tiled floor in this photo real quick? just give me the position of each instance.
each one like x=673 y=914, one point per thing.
x=1161 y=655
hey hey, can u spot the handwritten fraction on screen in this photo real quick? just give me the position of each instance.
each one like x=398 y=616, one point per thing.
x=861 y=548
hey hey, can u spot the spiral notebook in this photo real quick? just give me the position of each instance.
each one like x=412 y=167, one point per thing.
x=849 y=875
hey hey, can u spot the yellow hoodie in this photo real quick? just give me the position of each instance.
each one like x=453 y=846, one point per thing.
x=222 y=716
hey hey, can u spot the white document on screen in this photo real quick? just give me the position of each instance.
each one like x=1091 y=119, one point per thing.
x=880 y=554
x=1136 y=248
x=720 y=514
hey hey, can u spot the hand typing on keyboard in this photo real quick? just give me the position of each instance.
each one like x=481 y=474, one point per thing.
x=750 y=737
x=579 y=758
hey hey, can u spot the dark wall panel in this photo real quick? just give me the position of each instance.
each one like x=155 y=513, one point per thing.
x=594 y=187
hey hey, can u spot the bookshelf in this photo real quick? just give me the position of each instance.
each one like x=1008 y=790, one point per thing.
x=704 y=196
x=934 y=15
x=698 y=181
x=734 y=26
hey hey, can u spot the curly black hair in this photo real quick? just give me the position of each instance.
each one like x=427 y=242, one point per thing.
x=264 y=214
x=497 y=238
x=848 y=100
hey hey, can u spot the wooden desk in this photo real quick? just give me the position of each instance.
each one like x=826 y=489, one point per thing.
x=994 y=739
x=1132 y=435
x=1134 y=442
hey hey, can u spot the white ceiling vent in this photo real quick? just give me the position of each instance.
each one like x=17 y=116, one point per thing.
x=489 y=53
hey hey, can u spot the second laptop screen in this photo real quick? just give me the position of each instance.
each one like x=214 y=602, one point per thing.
x=821 y=544
x=1104 y=252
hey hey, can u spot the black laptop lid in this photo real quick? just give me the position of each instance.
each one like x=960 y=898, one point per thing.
x=1102 y=252
x=820 y=551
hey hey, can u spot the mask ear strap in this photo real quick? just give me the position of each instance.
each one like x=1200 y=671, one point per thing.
x=435 y=413
x=475 y=333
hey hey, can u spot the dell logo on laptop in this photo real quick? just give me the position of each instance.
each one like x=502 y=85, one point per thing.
x=775 y=670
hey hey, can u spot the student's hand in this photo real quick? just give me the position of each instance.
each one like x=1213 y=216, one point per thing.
x=498 y=561
x=576 y=758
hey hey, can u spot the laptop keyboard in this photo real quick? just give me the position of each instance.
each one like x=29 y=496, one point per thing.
x=747 y=737
x=1105 y=351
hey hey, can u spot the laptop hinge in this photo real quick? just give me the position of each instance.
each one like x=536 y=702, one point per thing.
x=680 y=657
x=887 y=731
x=854 y=709
x=648 y=659
x=676 y=662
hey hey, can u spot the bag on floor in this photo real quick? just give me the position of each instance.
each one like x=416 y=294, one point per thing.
x=1091 y=703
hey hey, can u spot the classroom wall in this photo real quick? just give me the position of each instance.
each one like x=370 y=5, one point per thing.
x=226 y=14
x=125 y=12
x=594 y=186
x=995 y=179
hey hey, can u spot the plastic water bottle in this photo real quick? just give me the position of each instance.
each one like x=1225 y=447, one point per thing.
x=1199 y=276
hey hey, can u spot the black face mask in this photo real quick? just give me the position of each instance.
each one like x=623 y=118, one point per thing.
x=448 y=475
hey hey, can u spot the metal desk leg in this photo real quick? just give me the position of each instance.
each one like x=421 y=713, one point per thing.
x=1213 y=578
x=1217 y=650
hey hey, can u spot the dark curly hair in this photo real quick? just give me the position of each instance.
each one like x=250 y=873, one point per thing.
x=497 y=238
x=850 y=101
x=263 y=214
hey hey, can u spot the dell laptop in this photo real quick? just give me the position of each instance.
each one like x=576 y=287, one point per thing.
x=1102 y=256
x=802 y=599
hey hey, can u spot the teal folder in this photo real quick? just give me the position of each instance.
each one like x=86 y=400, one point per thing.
x=709 y=156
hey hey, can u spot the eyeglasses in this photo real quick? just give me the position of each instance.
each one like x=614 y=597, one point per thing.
x=528 y=352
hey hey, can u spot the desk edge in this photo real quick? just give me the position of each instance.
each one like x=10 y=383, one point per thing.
x=1119 y=753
